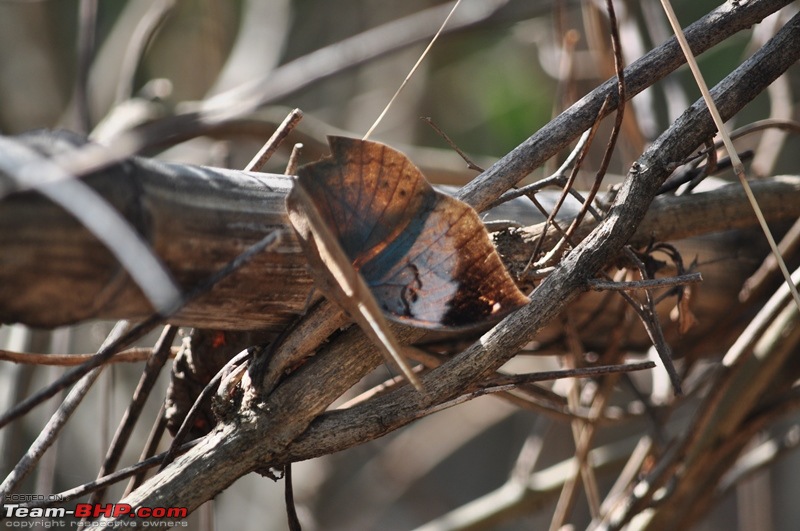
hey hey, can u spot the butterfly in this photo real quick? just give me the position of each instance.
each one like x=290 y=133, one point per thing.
x=381 y=241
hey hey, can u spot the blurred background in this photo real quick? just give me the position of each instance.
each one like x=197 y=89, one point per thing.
x=103 y=68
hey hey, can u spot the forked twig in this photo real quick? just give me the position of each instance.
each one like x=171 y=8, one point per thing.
x=619 y=66
x=565 y=190
x=650 y=321
x=558 y=178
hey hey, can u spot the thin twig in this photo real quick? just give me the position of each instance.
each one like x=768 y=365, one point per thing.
x=558 y=178
x=579 y=372
x=711 y=166
x=760 y=457
x=150 y=22
x=625 y=478
x=550 y=256
x=210 y=388
x=577 y=352
x=271 y=146
x=107 y=351
x=692 y=172
x=142 y=35
x=130 y=355
x=758 y=281
x=70 y=377
x=597 y=284
x=531 y=450
x=129 y=419
x=738 y=167
x=294 y=157
x=791 y=126
x=413 y=69
x=47 y=467
x=110 y=479
x=470 y=164
x=87 y=30
x=509 y=383
x=653 y=327
x=52 y=429
x=781 y=106
x=291 y=510
x=567 y=186
x=586 y=434
x=643 y=72
x=150 y=447
x=612 y=141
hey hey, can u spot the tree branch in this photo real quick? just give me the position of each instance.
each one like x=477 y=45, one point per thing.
x=55 y=272
x=256 y=435
x=710 y=30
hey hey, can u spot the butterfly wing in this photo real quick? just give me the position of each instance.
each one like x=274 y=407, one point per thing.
x=443 y=272
x=366 y=192
x=338 y=279
x=425 y=256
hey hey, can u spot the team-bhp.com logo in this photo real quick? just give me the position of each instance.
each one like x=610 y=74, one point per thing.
x=19 y=515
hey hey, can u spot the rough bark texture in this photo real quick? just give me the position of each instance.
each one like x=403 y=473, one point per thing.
x=55 y=272
x=263 y=431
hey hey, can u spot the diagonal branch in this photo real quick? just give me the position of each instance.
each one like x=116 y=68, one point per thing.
x=721 y=23
x=286 y=427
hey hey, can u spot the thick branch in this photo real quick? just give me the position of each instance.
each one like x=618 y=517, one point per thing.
x=677 y=217
x=336 y=430
x=268 y=437
x=249 y=300
x=710 y=30
x=55 y=272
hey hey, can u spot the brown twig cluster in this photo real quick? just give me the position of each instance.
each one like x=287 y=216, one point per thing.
x=603 y=286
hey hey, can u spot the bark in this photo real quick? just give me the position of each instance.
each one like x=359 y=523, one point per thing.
x=54 y=271
x=267 y=431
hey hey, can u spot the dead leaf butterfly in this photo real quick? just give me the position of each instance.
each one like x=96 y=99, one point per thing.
x=425 y=257
x=380 y=239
